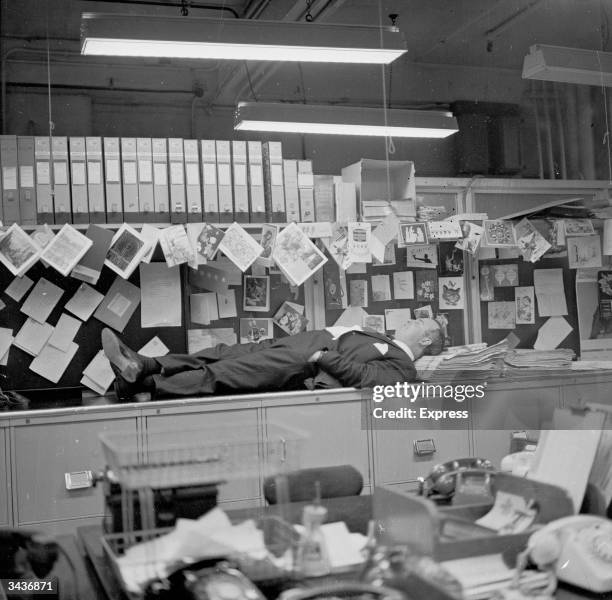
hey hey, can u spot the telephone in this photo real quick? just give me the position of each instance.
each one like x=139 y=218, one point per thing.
x=584 y=552
x=443 y=477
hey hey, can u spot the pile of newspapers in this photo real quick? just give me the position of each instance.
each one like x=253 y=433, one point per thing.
x=476 y=361
x=561 y=358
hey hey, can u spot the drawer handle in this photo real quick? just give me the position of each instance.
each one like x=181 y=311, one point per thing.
x=79 y=480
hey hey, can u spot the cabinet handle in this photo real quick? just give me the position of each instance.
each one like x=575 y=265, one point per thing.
x=283 y=450
x=420 y=481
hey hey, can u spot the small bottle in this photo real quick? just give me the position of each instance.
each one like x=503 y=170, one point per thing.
x=312 y=559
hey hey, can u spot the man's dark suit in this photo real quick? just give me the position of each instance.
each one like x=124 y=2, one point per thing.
x=352 y=360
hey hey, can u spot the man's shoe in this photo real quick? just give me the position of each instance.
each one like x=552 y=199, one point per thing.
x=126 y=363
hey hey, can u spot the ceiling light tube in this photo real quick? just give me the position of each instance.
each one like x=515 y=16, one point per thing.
x=343 y=120
x=568 y=65
x=237 y=39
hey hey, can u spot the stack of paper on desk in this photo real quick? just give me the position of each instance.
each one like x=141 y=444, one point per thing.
x=560 y=358
x=482 y=576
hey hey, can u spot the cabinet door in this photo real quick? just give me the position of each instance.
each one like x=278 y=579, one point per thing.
x=238 y=490
x=395 y=457
x=4 y=480
x=334 y=430
x=43 y=453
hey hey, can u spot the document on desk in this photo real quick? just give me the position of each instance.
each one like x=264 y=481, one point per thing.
x=84 y=302
x=552 y=333
x=42 y=300
x=51 y=362
x=160 y=295
x=549 y=292
x=510 y=514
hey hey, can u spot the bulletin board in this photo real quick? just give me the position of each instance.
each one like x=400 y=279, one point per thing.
x=279 y=291
x=527 y=334
x=455 y=317
x=17 y=376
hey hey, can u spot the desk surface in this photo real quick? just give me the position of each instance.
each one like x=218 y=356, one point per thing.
x=356 y=511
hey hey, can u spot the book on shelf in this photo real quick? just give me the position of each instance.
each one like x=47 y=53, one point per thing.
x=10 y=186
x=257 y=198
x=129 y=170
x=274 y=182
x=27 y=184
x=61 y=180
x=176 y=161
x=324 y=198
x=78 y=180
x=161 y=195
x=210 y=194
x=292 y=198
x=146 y=202
x=95 y=184
x=305 y=181
x=345 y=198
x=44 y=200
x=192 y=181
x=112 y=180
x=241 y=188
x=224 y=181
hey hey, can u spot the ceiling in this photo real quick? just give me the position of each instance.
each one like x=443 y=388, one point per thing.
x=466 y=34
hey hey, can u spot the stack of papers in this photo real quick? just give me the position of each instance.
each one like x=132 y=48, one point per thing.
x=479 y=360
x=560 y=358
x=482 y=576
x=377 y=210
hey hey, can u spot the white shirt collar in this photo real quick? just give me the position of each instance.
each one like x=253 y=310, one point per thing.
x=405 y=347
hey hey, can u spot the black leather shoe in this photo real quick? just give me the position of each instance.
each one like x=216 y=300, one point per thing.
x=126 y=363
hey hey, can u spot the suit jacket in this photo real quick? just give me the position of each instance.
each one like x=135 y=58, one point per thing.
x=364 y=359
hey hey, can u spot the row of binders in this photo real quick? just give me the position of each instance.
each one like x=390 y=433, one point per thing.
x=57 y=180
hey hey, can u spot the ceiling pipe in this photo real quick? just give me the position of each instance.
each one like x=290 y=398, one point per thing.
x=191 y=4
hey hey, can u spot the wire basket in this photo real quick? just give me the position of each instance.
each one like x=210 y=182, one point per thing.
x=204 y=456
x=135 y=571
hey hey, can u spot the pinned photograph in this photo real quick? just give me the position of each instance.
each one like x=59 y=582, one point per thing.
x=499 y=233
x=451 y=259
x=255 y=330
x=66 y=249
x=423 y=312
x=472 y=236
x=126 y=250
x=444 y=230
x=176 y=246
x=403 y=285
x=578 y=227
x=426 y=285
x=412 y=234
x=529 y=241
x=337 y=245
x=296 y=256
x=240 y=247
x=501 y=315
x=451 y=293
x=375 y=322
x=584 y=252
x=422 y=257
x=358 y=292
x=205 y=239
x=487 y=283
x=18 y=252
x=256 y=293
x=290 y=319
x=268 y=239
x=505 y=275
x=381 y=288
x=525 y=305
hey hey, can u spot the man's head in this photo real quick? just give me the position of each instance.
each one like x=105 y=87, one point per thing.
x=422 y=336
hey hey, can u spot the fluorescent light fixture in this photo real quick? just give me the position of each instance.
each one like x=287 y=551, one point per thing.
x=237 y=39
x=568 y=65
x=343 y=120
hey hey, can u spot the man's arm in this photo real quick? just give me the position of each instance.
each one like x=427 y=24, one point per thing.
x=383 y=371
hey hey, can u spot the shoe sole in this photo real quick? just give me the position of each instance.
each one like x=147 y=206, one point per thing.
x=128 y=369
